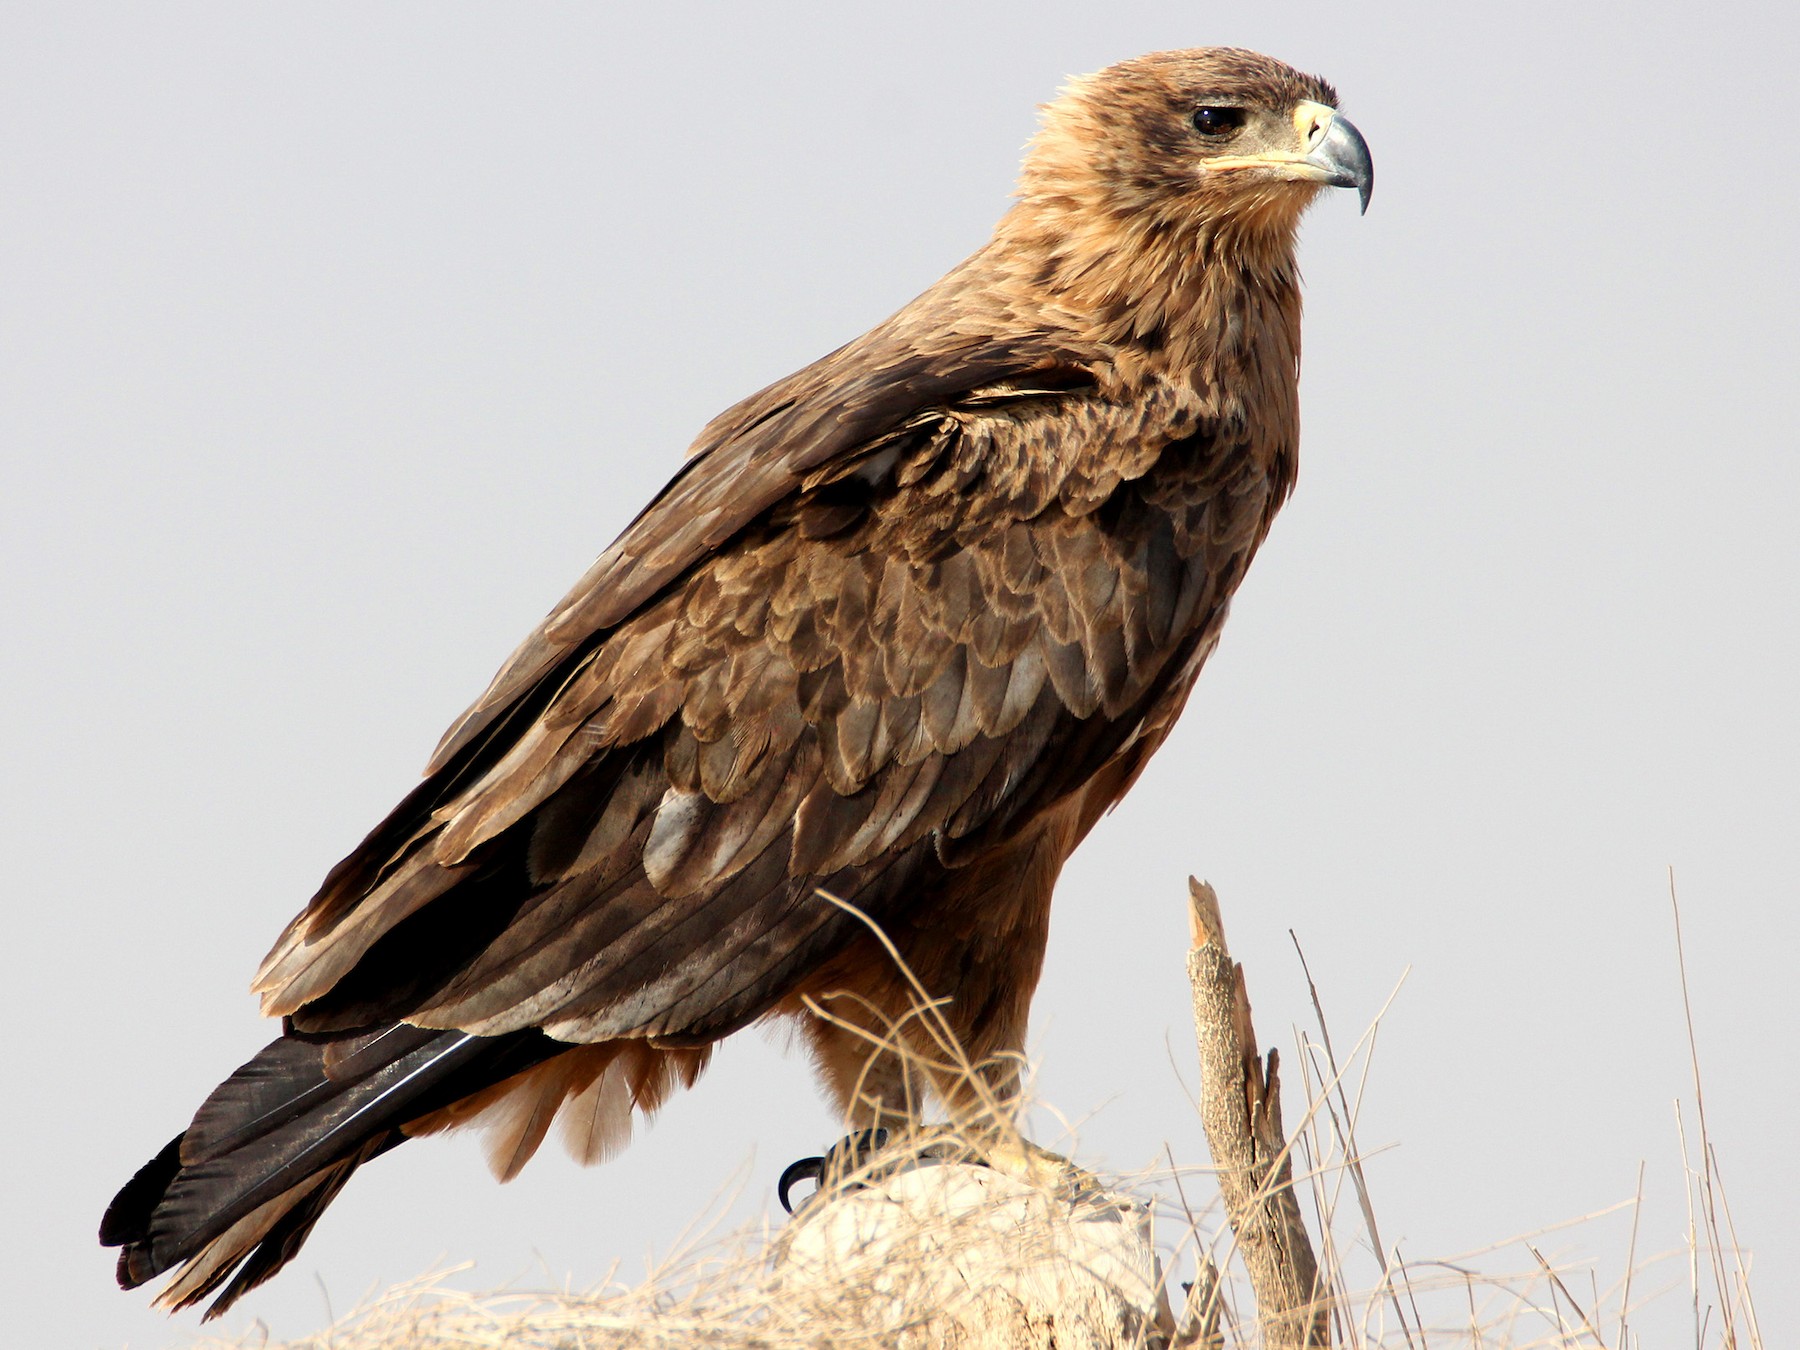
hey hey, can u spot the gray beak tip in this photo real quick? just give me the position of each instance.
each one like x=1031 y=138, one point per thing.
x=1344 y=155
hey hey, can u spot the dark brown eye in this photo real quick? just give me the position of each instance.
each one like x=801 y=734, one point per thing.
x=1211 y=121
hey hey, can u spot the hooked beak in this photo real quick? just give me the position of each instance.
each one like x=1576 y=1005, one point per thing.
x=1333 y=153
x=1338 y=152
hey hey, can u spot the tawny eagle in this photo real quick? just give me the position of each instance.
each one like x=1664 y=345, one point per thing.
x=900 y=629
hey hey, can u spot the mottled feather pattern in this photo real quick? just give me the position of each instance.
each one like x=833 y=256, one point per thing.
x=901 y=642
x=898 y=630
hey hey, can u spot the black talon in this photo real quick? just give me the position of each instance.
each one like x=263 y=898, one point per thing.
x=807 y=1169
x=842 y=1158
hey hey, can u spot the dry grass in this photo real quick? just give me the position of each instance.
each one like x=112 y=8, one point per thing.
x=1513 y=1295
x=1518 y=1294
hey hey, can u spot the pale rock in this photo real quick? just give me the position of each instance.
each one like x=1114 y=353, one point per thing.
x=951 y=1254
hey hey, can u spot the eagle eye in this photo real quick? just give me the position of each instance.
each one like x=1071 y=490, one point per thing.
x=1216 y=121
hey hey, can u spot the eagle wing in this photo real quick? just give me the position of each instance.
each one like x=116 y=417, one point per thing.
x=893 y=605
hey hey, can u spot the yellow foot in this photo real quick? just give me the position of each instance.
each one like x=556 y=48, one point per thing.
x=1002 y=1148
x=1012 y=1154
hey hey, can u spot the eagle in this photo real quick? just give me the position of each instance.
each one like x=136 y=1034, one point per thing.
x=817 y=732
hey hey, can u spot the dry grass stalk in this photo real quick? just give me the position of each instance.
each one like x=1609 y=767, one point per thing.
x=1726 y=1265
x=734 y=1295
x=1240 y=1109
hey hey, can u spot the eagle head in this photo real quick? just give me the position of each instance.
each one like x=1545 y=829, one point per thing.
x=1212 y=140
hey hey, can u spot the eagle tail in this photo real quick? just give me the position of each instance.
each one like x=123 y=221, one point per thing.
x=232 y=1198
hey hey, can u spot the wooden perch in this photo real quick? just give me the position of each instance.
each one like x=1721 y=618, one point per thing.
x=1240 y=1109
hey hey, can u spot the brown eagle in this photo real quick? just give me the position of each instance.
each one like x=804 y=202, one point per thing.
x=899 y=630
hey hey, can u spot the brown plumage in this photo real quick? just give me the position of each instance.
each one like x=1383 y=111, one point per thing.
x=900 y=629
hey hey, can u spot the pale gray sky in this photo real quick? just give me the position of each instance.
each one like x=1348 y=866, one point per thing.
x=336 y=339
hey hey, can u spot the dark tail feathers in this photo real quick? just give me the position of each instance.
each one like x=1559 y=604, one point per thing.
x=235 y=1195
